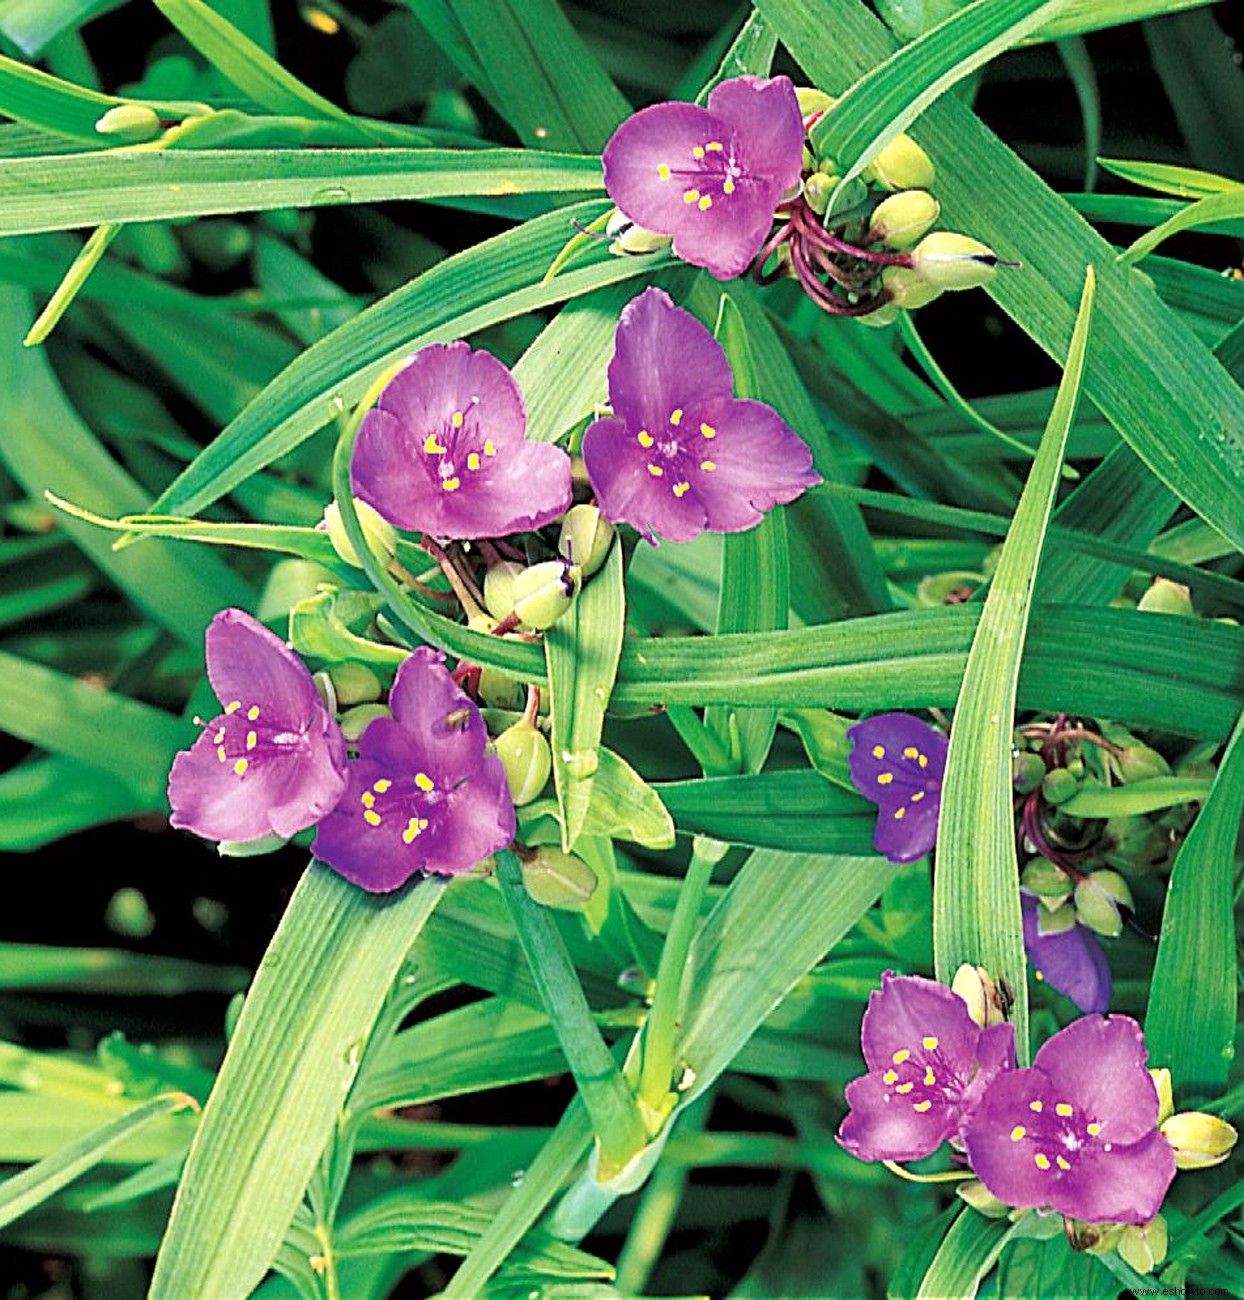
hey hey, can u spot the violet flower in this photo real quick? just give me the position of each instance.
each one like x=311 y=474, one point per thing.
x=710 y=177
x=897 y=762
x=928 y=1064
x=681 y=454
x=274 y=761
x=424 y=794
x=1070 y=962
x=443 y=451
x=1078 y=1132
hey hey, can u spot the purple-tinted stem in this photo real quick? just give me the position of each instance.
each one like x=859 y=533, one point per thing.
x=817 y=233
x=822 y=296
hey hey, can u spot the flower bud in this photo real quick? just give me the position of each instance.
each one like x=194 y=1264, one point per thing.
x=1166 y=1097
x=544 y=592
x=1143 y=1245
x=1058 y=786
x=560 y=880
x=1139 y=763
x=381 y=535
x=901 y=165
x=354 y=684
x=953 y=261
x=355 y=721
x=325 y=689
x=900 y=220
x=981 y=1199
x=1095 y=1238
x=1199 y=1141
x=886 y=314
x=500 y=691
x=630 y=239
x=585 y=539
x=499 y=588
x=979 y=992
x=250 y=848
x=1049 y=882
x=1097 y=899
x=812 y=100
x=1056 y=920
x=1027 y=771
x=129 y=123
x=1166 y=597
x=817 y=190
x=907 y=288
x=527 y=759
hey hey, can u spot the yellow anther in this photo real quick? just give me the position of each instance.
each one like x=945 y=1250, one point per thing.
x=900 y=814
x=457 y=419
x=705 y=203
x=663 y=171
x=917 y=796
x=878 y=751
x=1018 y=1132
x=1037 y=1106
x=708 y=431
x=473 y=460
x=900 y=1056
x=715 y=146
x=233 y=707
x=890 y=1076
x=681 y=489
x=645 y=438
x=414 y=828
x=924 y=760
x=727 y=186
x=691 y=196
x=885 y=778
x=1062 y=1109
x=676 y=416
x=922 y=1106
x=911 y=752
x=367 y=799
x=382 y=785
x=433 y=448
x=218 y=737
x=424 y=782
x=697 y=152
x=451 y=484
x=929 y=1077
x=251 y=740
x=1062 y=1164
x=490 y=448
x=655 y=470
x=1093 y=1130
x=253 y=712
x=240 y=766
x=371 y=818
x=1042 y=1161
x=220 y=753
x=904 y=1088
x=708 y=465
x=929 y=1044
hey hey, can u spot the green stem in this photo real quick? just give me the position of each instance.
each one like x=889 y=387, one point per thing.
x=660 y=1030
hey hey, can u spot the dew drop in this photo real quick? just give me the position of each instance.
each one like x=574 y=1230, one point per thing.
x=330 y=195
x=518 y=1178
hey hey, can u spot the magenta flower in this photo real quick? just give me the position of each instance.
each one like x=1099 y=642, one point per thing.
x=928 y=1064
x=710 y=177
x=424 y=794
x=443 y=451
x=1078 y=1132
x=274 y=761
x=681 y=454
x=898 y=763
x=1070 y=962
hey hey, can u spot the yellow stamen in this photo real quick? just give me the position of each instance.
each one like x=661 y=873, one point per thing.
x=414 y=828
x=220 y=753
x=885 y=778
x=1062 y=1109
x=917 y=796
x=655 y=470
x=1093 y=1130
x=929 y=1077
x=727 y=186
x=451 y=484
x=433 y=448
x=878 y=751
x=1062 y=1164
x=924 y=761
x=911 y=752
x=251 y=740
x=490 y=448
x=457 y=419
x=705 y=203
x=708 y=465
x=371 y=818
x=929 y=1044
x=691 y=196
x=240 y=766
x=382 y=785
x=424 y=782
x=218 y=737
x=900 y=1056
x=900 y=814
x=1042 y=1161
x=1018 y=1132
x=676 y=417
x=681 y=489
x=253 y=712
x=904 y=1088
x=663 y=171
x=708 y=431
x=473 y=460
x=1037 y=1106
x=715 y=146
x=890 y=1076
x=922 y=1106
x=233 y=707
x=697 y=152
x=368 y=799
x=645 y=438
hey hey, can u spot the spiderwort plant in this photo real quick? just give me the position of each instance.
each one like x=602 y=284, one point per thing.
x=1069 y=960
x=681 y=454
x=898 y=762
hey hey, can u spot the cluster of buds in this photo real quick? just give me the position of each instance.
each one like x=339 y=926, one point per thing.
x=868 y=248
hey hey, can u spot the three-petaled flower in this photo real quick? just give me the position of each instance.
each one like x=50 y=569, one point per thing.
x=710 y=177
x=444 y=451
x=1078 y=1131
x=1070 y=961
x=898 y=762
x=274 y=761
x=681 y=454
x=424 y=795
x=928 y=1064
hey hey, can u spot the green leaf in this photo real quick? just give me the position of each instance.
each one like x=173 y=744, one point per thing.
x=290 y=1064
x=32 y=24
x=1096 y=800
x=1191 y=1020
x=35 y=808
x=105 y=970
x=968 y=1251
x=1183 y=182
x=976 y=914
x=888 y=99
x=1204 y=212
x=581 y=650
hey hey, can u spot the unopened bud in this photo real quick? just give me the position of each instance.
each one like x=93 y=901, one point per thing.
x=129 y=123
x=1199 y=1141
x=1098 y=898
x=901 y=165
x=630 y=239
x=812 y=100
x=499 y=588
x=1166 y=1094
x=886 y=314
x=1047 y=880
x=1027 y=771
x=1058 y=786
x=527 y=759
x=499 y=690
x=325 y=689
x=250 y=848
x=983 y=1201
x=1055 y=920
x=355 y=721
x=1140 y=763
x=1095 y=1238
x=817 y=191
x=560 y=880
x=544 y=592
x=380 y=534
x=900 y=220
x=585 y=539
x=1143 y=1245
x=907 y=288
x=354 y=684
x=953 y=261
x=980 y=994
x=1166 y=597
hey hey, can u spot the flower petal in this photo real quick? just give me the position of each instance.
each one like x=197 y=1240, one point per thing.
x=881 y=1126
x=765 y=113
x=1071 y=962
x=1124 y=1185
x=908 y=1012
x=249 y=665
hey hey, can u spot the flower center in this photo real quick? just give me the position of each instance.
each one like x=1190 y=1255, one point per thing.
x=1051 y=1136
x=680 y=451
x=920 y=1076
x=454 y=449
x=243 y=737
x=406 y=803
x=711 y=174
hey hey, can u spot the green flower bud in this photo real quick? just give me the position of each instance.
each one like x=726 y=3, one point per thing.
x=527 y=759
x=129 y=123
x=951 y=588
x=250 y=848
x=499 y=588
x=812 y=100
x=381 y=535
x=1057 y=920
x=1095 y=1238
x=354 y=684
x=560 y=880
x=900 y=220
x=976 y=987
x=1140 y=763
x=500 y=691
x=1166 y=1097
x=1133 y=843
x=585 y=539
x=355 y=721
x=1059 y=785
x=129 y=913
x=901 y=165
x=544 y=592
x=1050 y=883
x=1143 y=1245
x=630 y=239
x=886 y=314
x=1027 y=771
x=1199 y=1141
x=1166 y=597
x=1097 y=900
x=981 y=1199
x=817 y=190
x=326 y=690
x=908 y=289
x=953 y=261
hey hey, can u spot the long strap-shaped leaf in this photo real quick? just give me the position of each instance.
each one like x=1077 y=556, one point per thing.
x=285 y=1077
x=976 y=916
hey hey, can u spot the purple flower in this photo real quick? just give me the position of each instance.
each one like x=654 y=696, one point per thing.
x=1070 y=962
x=443 y=451
x=274 y=761
x=424 y=795
x=928 y=1064
x=681 y=454
x=1078 y=1132
x=710 y=177
x=898 y=763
